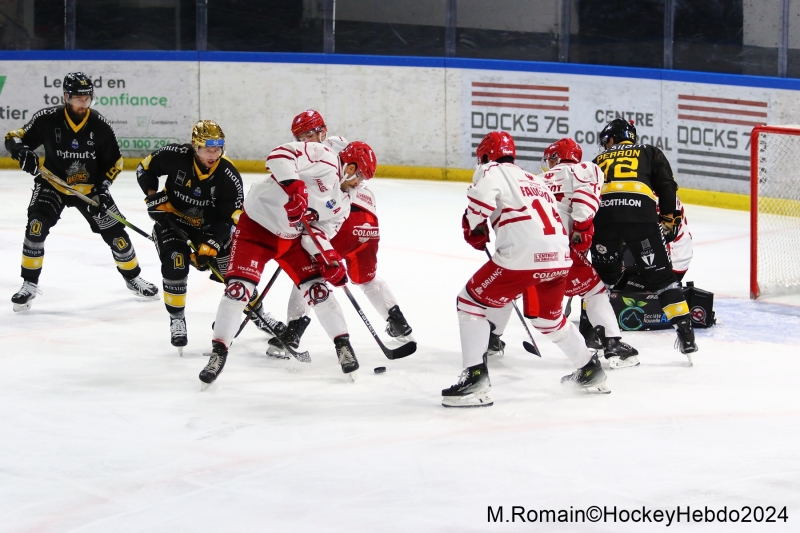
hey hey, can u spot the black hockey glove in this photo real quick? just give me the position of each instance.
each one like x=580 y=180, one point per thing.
x=103 y=199
x=670 y=225
x=209 y=249
x=28 y=161
x=158 y=206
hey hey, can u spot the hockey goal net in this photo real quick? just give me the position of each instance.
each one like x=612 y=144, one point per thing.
x=774 y=211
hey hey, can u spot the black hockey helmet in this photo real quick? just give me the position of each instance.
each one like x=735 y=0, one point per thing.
x=78 y=84
x=620 y=129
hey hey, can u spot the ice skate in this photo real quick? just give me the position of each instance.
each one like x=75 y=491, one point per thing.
x=219 y=353
x=271 y=323
x=685 y=341
x=345 y=353
x=592 y=336
x=141 y=287
x=589 y=378
x=619 y=354
x=290 y=336
x=496 y=346
x=474 y=389
x=177 y=331
x=23 y=297
x=397 y=327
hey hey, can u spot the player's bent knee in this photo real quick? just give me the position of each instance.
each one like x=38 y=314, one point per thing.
x=316 y=292
x=238 y=290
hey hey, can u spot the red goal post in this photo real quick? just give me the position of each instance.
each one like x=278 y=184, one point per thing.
x=774 y=210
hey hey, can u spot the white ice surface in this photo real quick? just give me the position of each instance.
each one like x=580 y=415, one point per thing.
x=103 y=428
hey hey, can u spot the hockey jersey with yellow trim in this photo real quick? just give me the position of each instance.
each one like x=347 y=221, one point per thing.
x=214 y=198
x=638 y=178
x=84 y=155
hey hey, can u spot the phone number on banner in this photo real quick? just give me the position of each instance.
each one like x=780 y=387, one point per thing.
x=145 y=143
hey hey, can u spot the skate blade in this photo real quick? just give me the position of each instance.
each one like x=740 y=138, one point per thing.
x=21 y=307
x=616 y=362
x=277 y=354
x=144 y=297
x=501 y=353
x=352 y=376
x=402 y=339
x=204 y=386
x=180 y=350
x=483 y=399
x=689 y=357
x=597 y=388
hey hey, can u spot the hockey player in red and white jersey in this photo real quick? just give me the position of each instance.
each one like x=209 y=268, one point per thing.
x=576 y=187
x=531 y=249
x=356 y=241
x=305 y=177
x=680 y=248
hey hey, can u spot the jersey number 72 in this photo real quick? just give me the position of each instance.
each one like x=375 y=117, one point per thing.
x=619 y=168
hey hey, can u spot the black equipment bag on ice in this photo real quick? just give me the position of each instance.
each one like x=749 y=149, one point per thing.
x=640 y=310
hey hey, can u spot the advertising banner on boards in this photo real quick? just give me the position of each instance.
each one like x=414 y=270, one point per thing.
x=149 y=104
x=703 y=129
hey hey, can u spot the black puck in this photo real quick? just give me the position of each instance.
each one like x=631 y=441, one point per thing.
x=380 y=369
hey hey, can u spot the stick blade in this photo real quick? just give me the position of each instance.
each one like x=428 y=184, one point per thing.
x=531 y=348
x=303 y=357
x=401 y=351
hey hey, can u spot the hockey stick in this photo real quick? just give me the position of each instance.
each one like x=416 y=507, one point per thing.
x=401 y=351
x=529 y=346
x=52 y=178
x=303 y=357
x=568 y=310
x=252 y=306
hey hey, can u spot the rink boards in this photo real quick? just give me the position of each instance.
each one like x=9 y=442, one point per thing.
x=423 y=116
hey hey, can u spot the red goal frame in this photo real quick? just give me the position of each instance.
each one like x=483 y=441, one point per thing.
x=755 y=291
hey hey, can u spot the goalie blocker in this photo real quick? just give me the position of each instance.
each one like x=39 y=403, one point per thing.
x=639 y=310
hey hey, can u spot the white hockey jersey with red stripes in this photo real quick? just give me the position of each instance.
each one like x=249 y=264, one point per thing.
x=522 y=211
x=318 y=167
x=576 y=187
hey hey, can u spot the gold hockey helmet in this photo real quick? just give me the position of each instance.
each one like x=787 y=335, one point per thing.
x=207 y=133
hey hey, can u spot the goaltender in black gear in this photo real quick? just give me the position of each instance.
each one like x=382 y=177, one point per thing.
x=80 y=148
x=201 y=200
x=638 y=178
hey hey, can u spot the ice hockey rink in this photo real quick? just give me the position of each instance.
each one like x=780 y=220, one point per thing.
x=103 y=427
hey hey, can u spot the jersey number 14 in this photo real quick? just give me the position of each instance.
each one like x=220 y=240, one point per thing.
x=548 y=223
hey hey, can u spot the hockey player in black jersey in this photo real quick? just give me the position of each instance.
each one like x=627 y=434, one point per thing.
x=638 y=178
x=202 y=200
x=80 y=148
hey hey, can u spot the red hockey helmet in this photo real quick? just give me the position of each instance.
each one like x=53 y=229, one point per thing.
x=309 y=120
x=564 y=150
x=495 y=145
x=361 y=154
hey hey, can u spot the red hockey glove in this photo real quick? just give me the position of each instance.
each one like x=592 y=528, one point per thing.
x=478 y=238
x=333 y=271
x=298 y=201
x=670 y=225
x=582 y=233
